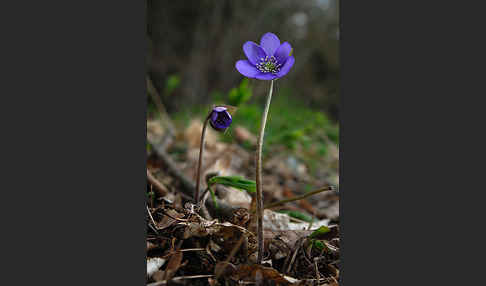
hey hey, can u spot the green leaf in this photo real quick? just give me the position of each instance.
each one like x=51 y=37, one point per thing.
x=213 y=197
x=172 y=83
x=235 y=182
x=241 y=94
x=297 y=215
x=319 y=232
x=318 y=244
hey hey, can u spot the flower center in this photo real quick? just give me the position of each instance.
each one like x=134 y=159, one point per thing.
x=268 y=64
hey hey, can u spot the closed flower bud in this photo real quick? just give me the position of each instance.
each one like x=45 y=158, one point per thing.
x=220 y=118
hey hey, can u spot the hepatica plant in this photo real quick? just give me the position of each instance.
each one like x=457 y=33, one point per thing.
x=268 y=61
x=220 y=119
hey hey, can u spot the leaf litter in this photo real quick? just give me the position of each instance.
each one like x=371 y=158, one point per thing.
x=217 y=245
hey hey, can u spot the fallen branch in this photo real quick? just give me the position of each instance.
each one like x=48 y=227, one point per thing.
x=164 y=282
x=162 y=190
x=187 y=186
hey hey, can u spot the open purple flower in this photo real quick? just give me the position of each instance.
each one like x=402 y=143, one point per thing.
x=267 y=61
x=220 y=119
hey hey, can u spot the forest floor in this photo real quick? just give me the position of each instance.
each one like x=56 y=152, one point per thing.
x=216 y=245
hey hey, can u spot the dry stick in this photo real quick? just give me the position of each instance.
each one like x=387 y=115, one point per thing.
x=201 y=150
x=154 y=228
x=259 y=191
x=232 y=254
x=160 y=106
x=318 y=276
x=164 y=282
x=152 y=218
x=298 y=246
x=187 y=186
x=296 y=220
x=192 y=249
x=204 y=209
x=282 y=202
x=158 y=185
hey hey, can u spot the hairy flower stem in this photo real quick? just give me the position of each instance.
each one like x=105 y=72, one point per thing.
x=201 y=149
x=259 y=191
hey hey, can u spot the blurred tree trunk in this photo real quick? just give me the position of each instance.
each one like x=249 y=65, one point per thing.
x=200 y=41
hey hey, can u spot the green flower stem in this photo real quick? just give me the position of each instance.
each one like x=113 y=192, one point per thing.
x=259 y=191
x=201 y=150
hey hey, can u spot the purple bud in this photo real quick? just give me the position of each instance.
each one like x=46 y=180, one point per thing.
x=220 y=119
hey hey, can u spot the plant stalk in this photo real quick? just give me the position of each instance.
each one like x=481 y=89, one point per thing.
x=201 y=150
x=259 y=191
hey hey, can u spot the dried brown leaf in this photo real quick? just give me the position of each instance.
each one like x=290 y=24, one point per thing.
x=168 y=220
x=258 y=273
x=224 y=269
x=158 y=275
x=173 y=265
x=150 y=246
x=334 y=271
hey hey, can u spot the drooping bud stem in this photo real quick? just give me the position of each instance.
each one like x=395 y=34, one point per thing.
x=201 y=149
x=259 y=191
x=220 y=119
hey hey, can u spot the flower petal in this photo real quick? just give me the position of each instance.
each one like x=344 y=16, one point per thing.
x=286 y=67
x=270 y=43
x=266 y=76
x=246 y=68
x=283 y=52
x=253 y=52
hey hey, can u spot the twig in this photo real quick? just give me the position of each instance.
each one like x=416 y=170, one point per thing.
x=164 y=282
x=232 y=254
x=296 y=220
x=204 y=209
x=187 y=186
x=174 y=218
x=153 y=221
x=282 y=202
x=297 y=248
x=153 y=228
x=318 y=276
x=193 y=249
x=208 y=251
x=162 y=190
x=160 y=106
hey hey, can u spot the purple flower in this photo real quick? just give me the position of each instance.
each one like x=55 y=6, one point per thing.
x=267 y=61
x=220 y=119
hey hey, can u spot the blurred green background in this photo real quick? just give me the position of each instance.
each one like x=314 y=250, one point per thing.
x=193 y=48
